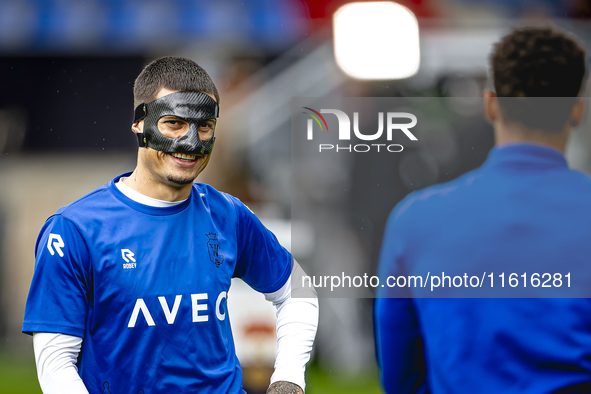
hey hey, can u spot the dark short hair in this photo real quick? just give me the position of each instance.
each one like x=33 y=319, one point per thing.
x=174 y=73
x=534 y=62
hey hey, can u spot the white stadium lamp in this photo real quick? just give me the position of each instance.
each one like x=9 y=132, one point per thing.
x=376 y=40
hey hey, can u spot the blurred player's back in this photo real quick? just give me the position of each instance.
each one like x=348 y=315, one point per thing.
x=522 y=208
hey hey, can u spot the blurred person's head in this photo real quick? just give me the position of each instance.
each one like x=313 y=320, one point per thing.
x=176 y=105
x=538 y=73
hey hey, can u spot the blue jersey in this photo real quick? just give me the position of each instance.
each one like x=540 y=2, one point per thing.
x=523 y=204
x=146 y=288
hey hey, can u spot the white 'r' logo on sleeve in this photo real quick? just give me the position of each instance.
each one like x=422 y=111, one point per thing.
x=55 y=241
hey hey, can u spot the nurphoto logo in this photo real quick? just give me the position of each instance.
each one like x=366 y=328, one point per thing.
x=393 y=124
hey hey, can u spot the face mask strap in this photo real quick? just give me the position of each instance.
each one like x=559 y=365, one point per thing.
x=139 y=114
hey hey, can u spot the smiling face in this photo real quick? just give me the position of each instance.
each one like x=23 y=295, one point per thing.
x=174 y=170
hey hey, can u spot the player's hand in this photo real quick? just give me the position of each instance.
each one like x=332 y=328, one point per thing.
x=284 y=388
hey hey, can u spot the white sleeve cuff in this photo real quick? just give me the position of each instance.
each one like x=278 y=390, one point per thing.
x=56 y=356
x=297 y=321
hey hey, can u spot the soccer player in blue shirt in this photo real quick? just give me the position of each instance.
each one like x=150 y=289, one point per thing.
x=522 y=205
x=131 y=281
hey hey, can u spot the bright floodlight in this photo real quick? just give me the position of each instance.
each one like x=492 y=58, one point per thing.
x=376 y=40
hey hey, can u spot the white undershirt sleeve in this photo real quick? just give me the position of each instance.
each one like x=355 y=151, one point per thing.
x=297 y=321
x=56 y=356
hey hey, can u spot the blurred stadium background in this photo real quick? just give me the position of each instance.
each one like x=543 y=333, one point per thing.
x=66 y=73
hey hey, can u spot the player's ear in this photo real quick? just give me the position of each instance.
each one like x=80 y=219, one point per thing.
x=490 y=106
x=138 y=127
x=577 y=114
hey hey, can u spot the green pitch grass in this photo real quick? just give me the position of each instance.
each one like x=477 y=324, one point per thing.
x=19 y=376
x=319 y=381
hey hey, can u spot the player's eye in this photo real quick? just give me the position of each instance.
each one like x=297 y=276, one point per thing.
x=172 y=122
x=206 y=125
x=205 y=128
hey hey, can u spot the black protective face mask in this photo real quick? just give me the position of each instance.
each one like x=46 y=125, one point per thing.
x=193 y=107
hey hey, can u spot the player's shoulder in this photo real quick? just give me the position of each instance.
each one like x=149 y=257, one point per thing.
x=69 y=221
x=574 y=190
x=90 y=202
x=432 y=197
x=583 y=179
x=215 y=197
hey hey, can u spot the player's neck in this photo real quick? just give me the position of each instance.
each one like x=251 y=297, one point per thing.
x=511 y=134
x=143 y=182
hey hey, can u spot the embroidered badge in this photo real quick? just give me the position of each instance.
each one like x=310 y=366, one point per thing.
x=214 y=248
x=107 y=390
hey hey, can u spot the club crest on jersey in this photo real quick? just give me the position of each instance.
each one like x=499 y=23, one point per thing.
x=107 y=390
x=214 y=248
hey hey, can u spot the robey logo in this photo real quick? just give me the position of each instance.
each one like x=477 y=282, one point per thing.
x=129 y=258
x=344 y=132
x=56 y=242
